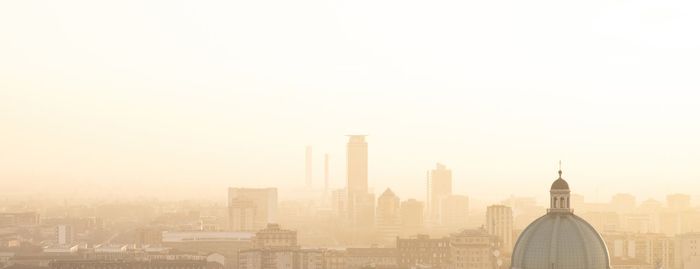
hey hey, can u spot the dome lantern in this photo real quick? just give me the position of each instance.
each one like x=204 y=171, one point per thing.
x=560 y=196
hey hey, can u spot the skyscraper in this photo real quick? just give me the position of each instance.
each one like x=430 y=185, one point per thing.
x=388 y=216
x=263 y=200
x=309 y=167
x=360 y=202
x=357 y=164
x=439 y=187
x=499 y=222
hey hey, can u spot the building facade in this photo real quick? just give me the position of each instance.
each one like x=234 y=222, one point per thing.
x=439 y=187
x=275 y=237
x=260 y=202
x=412 y=217
x=474 y=249
x=499 y=222
x=422 y=251
x=388 y=217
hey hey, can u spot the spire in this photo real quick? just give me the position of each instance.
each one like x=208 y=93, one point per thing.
x=560 y=169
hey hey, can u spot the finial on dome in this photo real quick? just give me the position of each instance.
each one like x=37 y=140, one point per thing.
x=559 y=168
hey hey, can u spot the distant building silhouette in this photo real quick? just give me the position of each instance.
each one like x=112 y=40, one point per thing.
x=273 y=236
x=439 y=187
x=242 y=200
x=687 y=251
x=64 y=234
x=326 y=172
x=412 y=217
x=309 y=167
x=499 y=223
x=280 y=258
x=242 y=213
x=678 y=202
x=454 y=212
x=360 y=202
x=388 y=216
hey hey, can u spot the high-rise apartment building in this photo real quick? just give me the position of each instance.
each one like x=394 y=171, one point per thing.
x=678 y=202
x=388 y=216
x=339 y=202
x=439 y=187
x=499 y=223
x=241 y=200
x=687 y=251
x=647 y=250
x=64 y=234
x=623 y=202
x=242 y=214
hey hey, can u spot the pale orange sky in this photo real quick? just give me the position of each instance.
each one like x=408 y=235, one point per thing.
x=184 y=98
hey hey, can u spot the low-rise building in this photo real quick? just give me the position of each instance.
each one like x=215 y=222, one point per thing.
x=356 y=258
x=274 y=236
x=280 y=258
x=423 y=251
x=474 y=249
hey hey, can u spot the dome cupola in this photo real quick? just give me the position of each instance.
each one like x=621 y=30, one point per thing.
x=560 y=196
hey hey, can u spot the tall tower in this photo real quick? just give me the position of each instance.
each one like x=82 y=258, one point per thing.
x=499 y=222
x=360 y=202
x=325 y=173
x=440 y=186
x=308 y=166
x=357 y=164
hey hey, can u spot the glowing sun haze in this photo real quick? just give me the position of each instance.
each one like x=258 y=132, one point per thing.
x=185 y=98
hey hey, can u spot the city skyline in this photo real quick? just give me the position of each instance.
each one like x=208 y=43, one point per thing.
x=349 y=134
x=184 y=93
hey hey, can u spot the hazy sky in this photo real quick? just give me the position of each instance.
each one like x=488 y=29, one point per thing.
x=185 y=98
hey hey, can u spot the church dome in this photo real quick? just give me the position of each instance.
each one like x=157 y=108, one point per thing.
x=560 y=184
x=560 y=239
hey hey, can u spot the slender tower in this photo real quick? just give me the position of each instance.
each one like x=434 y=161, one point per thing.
x=325 y=173
x=308 y=166
x=357 y=179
